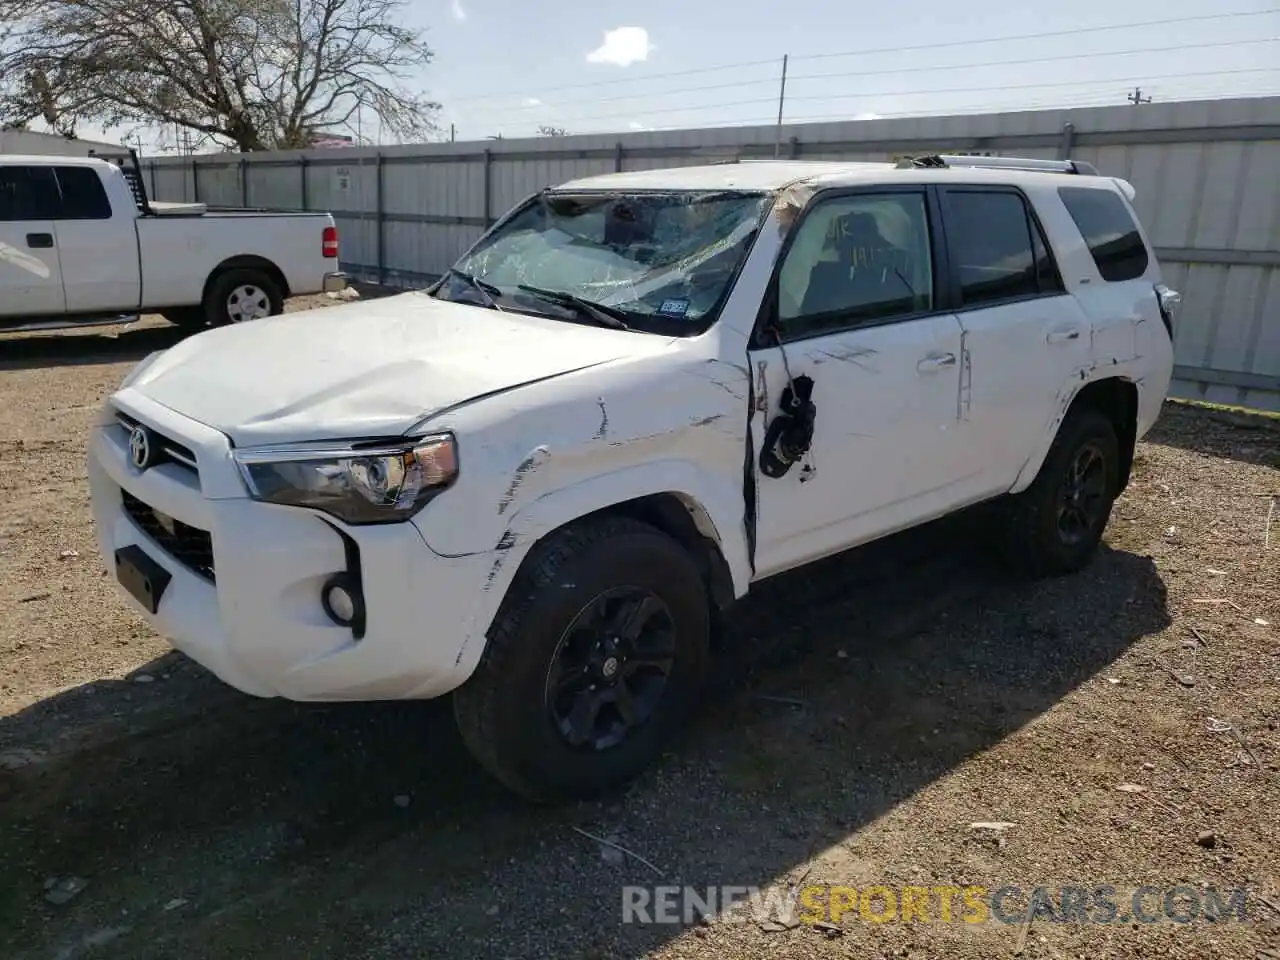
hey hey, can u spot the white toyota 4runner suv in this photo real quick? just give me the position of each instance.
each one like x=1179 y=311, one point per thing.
x=538 y=485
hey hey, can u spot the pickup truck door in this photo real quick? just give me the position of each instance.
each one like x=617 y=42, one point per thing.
x=30 y=269
x=1025 y=337
x=852 y=310
x=98 y=241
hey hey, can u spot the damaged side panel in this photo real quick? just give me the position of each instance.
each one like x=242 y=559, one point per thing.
x=595 y=429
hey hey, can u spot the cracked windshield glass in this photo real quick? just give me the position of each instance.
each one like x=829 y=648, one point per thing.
x=659 y=262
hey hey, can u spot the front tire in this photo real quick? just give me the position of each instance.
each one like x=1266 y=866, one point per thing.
x=594 y=661
x=1056 y=524
x=239 y=296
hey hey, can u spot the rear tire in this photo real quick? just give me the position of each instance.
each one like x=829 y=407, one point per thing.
x=546 y=711
x=1055 y=525
x=241 y=295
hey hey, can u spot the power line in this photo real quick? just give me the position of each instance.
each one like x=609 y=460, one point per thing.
x=794 y=78
x=1038 y=60
x=865 y=94
x=1076 y=31
x=1111 y=97
x=1038 y=86
x=869 y=51
x=983 y=107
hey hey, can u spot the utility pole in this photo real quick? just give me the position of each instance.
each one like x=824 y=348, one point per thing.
x=1136 y=97
x=782 y=97
x=453 y=133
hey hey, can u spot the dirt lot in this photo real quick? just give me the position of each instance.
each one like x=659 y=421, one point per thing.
x=876 y=708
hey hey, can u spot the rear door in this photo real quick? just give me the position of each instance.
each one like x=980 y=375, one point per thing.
x=98 y=245
x=30 y=269
x=1025 y=337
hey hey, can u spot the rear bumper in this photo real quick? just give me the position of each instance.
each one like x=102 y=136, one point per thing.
x=334 y=282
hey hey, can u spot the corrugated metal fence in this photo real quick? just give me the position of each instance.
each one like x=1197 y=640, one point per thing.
x=1207 y=175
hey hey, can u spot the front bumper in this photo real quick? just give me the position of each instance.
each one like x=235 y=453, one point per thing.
x=335 y=282
x=252 y=614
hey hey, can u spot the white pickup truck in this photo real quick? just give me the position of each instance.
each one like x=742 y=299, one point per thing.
x=539 y=485
x=82 y=245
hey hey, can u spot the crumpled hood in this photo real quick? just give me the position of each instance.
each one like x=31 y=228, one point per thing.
x=366 y=369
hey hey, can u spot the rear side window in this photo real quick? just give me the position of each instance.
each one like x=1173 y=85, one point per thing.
x=83 y=196
x=1108 y=230
x=996 y=248
x=27 y=193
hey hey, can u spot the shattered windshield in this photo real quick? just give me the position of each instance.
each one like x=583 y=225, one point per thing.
x=652 y=261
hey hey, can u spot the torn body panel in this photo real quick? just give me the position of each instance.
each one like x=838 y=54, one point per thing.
x=565 y=444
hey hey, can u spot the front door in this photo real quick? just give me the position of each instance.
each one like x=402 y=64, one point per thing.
x=852 y=313
x=30 y=270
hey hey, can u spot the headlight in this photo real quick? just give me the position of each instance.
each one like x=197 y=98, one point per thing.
x=359 y=483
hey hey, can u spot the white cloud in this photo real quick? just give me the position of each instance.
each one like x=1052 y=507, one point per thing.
x=622 y=47
x=635 y=125
x=531 y=102
x=455 y=7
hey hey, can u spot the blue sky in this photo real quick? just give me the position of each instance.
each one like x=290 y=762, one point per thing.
x=505 y=66
x=508 y=66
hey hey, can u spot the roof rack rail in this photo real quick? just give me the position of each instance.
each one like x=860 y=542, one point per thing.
x=937 y=160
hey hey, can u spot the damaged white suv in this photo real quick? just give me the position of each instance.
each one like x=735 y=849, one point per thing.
x=538 y=485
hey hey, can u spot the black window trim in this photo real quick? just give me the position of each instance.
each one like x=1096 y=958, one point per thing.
x=765 y=334
x=953 y=292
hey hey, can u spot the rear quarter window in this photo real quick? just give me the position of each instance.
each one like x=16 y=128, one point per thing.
x=1109 y=230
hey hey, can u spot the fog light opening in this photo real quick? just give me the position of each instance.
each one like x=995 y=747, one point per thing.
x=341 y=600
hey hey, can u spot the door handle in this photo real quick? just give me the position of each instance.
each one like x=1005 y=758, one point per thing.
x=933 y=364
x=39 y=241
x=1062 y=336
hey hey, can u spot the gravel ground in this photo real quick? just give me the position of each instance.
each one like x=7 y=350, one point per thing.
x=874 y=709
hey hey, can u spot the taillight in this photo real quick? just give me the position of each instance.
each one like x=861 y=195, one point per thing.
x=1169 y=301
x=329 y=243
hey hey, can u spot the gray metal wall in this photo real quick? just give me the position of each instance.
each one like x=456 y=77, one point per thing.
x=1207 y=175
x=34 y=143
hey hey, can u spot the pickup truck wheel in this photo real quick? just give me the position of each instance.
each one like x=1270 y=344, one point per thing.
x=1056 y=524
x=238 y=296
x=596 y=658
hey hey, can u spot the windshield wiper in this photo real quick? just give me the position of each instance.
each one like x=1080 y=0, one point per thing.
x=605 y=316
x=488 y=290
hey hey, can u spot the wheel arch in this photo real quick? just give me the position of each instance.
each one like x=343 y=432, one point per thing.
x=1115 y=397
x=247 y=261
x=673 y=496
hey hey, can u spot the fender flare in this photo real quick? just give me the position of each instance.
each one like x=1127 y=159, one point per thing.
x=716 y=507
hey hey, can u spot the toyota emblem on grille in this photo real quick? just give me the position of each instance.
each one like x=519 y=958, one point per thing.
x=140 y=447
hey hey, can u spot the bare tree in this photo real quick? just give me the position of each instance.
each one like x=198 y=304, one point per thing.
x=545 y=131
x=255 y=74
